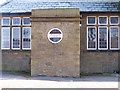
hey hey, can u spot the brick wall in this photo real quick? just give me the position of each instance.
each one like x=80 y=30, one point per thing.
x=96 y=61
x=16 y=61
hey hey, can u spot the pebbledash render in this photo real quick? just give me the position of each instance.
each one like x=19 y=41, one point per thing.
x=60 y=38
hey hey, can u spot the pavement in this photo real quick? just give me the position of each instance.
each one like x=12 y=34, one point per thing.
x=19 y=81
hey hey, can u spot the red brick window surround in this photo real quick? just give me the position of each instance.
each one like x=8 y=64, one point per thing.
x=15 y=33
x=103 y=33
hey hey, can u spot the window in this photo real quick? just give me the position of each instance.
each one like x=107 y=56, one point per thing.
x=26 y=21
x=114 y=20
x=114 y=38
x=5 y=38
x=26 y=38
x=103 y=38
x=15 y=33
x=104 y=35
x=16 y=38
x=5 y=21
x=103 y=20
x=91 y=20
x=91 y=38
x=16 y=21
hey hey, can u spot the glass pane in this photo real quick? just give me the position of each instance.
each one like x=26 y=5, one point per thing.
x=102 y=20
x=16 y=21
x=26 y=38
x=91 y=20
x=26 y=21
x=114 y=37
x=114 y=20
x=6 y=38
x=16 y=38
x=91 y=38
x=6 y=21
x=103 y=38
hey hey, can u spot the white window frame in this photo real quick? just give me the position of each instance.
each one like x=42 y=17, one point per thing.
x=16 y=24
x=23 y=21
x=118 y=38
x=96 y=38
x=95 y=20
x=1 y=39
x=110 y=20
x=23 y=37
x=19 y=37
x=2 y=21
x=107 y=38
x=99 y=20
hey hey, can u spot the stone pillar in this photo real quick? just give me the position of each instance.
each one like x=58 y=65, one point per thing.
x=0 y=49
x=55 y=59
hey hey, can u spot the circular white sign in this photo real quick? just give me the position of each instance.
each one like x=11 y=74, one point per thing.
x=55 y=35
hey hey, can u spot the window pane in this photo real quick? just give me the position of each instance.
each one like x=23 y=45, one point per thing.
x=26 y=39
x=5 y=33
x=26 y=21
x=114 y=20
x=103 y=38
x=5 y=21
x=16 y=38
x=91 y=37
x=16 y=21
x=91 y=20
x=103 y=20
x=114 y=35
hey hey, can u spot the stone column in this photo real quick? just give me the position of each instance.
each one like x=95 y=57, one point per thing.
x=55 y=59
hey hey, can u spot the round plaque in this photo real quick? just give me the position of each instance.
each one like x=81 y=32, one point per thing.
x=55 y=35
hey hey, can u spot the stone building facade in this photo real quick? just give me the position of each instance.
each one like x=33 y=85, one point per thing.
x=88 y=33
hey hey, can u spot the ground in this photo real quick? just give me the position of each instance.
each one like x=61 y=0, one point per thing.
x=10 y=80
